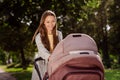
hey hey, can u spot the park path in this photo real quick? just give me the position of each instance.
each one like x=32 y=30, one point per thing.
x=5 y=76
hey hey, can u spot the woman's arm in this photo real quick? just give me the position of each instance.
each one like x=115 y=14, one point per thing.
x=42 y=51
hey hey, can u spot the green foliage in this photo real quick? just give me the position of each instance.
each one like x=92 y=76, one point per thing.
x=114 y=62
x=20 y=18
x=2 y=57
x=93 y=3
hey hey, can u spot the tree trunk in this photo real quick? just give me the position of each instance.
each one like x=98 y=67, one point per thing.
x=104 y=41
x=23 y=61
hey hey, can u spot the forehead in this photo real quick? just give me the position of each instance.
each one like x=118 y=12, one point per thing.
x=50 y=17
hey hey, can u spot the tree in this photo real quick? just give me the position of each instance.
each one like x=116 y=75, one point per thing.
x=20 y=18
x=14 y=31
x=114 y=17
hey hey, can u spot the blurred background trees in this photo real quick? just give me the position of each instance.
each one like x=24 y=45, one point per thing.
x=97 y=18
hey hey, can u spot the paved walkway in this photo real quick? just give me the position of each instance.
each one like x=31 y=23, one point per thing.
x=5 y=76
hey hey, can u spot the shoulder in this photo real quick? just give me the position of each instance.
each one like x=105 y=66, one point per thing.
x=59 y=32
x=37 y=37
x=60 y=36
x=38 y=34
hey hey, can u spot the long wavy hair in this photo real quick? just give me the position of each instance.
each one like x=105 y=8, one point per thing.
x=43 y=31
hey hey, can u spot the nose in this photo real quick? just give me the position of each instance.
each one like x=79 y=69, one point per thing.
x=51 y=24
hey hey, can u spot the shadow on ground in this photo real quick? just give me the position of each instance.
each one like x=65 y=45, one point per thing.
x=6 y=76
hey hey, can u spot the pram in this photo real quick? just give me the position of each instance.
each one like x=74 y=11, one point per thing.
x=76 y=57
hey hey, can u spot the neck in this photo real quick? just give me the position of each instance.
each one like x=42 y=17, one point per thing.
x=49 y=32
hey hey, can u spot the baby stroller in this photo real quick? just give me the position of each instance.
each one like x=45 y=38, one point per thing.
x=76 y=57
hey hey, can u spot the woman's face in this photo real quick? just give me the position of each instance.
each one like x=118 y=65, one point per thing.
x=50 y=23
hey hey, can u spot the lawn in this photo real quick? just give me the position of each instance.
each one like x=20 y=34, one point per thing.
x=21 y=74
x=112 y=74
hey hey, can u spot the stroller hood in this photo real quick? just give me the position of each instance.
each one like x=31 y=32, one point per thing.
x=72 y=44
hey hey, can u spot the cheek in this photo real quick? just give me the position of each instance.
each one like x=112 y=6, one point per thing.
x=46 y=25
x=53 y=25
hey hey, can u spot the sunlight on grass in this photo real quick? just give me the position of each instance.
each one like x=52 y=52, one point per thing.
x=19 y=73
x=15 y=69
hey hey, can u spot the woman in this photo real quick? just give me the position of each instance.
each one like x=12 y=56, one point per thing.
x=46 y=37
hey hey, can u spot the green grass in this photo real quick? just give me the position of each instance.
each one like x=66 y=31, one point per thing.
x=112 y=74
x=20 y=74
